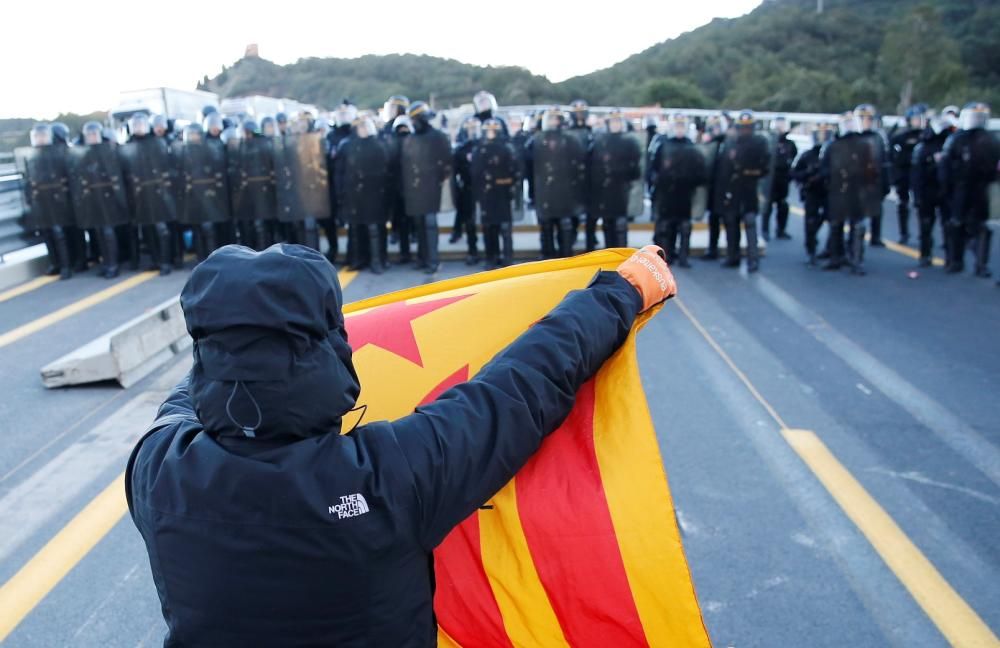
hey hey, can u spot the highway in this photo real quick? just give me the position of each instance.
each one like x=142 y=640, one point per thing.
x=832 y=444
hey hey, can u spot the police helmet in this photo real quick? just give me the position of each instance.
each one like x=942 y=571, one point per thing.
x=492 y=129
x=213 y=121
x=402 y=125
x=138 y=124
x=193 y=133
x=484 y=102
x=41 y=134
x=420 y=111
x=93 y=133
x=975 y=114
x=580 y=111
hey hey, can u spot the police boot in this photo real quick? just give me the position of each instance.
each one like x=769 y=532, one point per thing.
x=659 y=233
x=177 y=245
x=205 y=241
x=670 y=240
x=77 y=248
x=983 y=251
x=685 y=245
x=132 y=235
x=834 y=252
x=375 y=249
x=357 y=243
x=50 y=247
x=262 y=237
x=309 y=230
x=420 y=234
x=566 y=237
x=164 y=248
x=507 y=242
x=431 y=237
x=876 y=238
x=547 y=235
x=713 y=239
x=404 y=238
x=783 y=221
x=732 y=243
x=753 y=256
x=63 y=259
x=903 y=213
x=491 y=245
x=472 y=258
x=108 y=245
x=591 y=233
x=956 y=248
x=765 y=223
x=621 y=231
x=857 y=256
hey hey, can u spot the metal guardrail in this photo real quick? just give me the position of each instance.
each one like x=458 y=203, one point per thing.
x=12 y=234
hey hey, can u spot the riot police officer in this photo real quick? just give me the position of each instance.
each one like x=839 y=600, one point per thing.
x=812 y=187
x=485 y=105
x=785 y=152
x=150 y=180
x=160 y=126
x=579 y=115
x=968 y=166
x=494 y=172
x=716 y=129
x=98 y=191
x=267 y=127
x=344 y=118
x=557 y=161
x=901 y=157
x=613 y=162
x=281 y=119
x=852 y=167
x=743 y=160
x=251 y=159
x=361 y=165
x=204 y=200
x=927 y=193
x=461 y=188
x=48 y=205
x=426 y=166
x=396 y=206
x=676 y=169
x=867 y=118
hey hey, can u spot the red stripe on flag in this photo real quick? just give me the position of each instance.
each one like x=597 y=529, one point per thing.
x=564 y=513
x=460 y=376
x=464 y=601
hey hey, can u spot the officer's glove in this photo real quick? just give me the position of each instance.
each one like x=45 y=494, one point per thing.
x=647 y=271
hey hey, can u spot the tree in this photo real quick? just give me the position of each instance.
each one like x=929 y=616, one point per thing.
x=673 y=92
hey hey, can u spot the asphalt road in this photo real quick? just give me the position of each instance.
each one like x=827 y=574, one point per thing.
x=889 y=382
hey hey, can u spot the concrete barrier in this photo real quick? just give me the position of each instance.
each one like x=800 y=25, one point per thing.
x=127 y=353
x=22 y=265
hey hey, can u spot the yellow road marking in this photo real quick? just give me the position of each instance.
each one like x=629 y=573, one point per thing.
x=955 y=618
x=958 y=622
x=346 y=277
x=27 y=286
x=42 y=573
x=899 y=248
x=74 y=308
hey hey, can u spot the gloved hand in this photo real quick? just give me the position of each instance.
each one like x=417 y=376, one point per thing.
x=647 y=271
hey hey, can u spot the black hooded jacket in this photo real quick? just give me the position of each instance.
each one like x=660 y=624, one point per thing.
x=264 y=525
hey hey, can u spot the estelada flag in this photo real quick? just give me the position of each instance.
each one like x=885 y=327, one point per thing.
x=581 y=548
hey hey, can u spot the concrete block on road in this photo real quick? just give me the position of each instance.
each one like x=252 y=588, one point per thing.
x=127 y=353
x=22 y=265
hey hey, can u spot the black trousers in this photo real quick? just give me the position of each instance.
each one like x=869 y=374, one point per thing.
x=815 y=214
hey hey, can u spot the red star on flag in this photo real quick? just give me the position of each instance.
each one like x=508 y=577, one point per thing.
x=390 y=327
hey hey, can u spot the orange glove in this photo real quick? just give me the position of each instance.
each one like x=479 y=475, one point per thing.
x=648 y=272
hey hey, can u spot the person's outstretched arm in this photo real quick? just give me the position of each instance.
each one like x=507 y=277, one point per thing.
x=465 y=446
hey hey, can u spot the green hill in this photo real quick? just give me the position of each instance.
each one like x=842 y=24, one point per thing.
x=782 y=56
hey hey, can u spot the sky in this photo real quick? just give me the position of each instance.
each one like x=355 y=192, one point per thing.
x=88 y=56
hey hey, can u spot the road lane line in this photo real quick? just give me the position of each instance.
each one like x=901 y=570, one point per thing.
x=899 y=248
x=76 y=307
x=27 y=286
x=956 y=620
x=948 y=427
x=949 y=612
x=20 y=594
x=346 y=277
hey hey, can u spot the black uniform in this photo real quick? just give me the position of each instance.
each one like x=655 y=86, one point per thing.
x=495 y=176
x=99 y=203
x=584 y=134
x=852 y=168
x=394 y=191
x=151 y=180
x=361 y=167
x=331 y=225
x=714 y=210
x=676 y=169
x=901 y=148
x=557 y=162
x=252 y=183
x=255 y=533
x=48 y=203
x=927 y=194
x=464 y=198
x=613 y=165
x=426 y=165
x=812 y=191
x=877 y=142
x=785 y=153
x=302 y=185
x=204 y=198
x=743 y=159
x=968 y=166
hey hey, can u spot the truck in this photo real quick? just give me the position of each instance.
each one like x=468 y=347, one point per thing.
x=180 y=106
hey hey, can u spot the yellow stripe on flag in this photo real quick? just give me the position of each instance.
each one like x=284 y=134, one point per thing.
x=527 y=613
x=641 y=506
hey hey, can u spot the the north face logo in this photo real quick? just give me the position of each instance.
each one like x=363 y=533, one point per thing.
x=350 y=506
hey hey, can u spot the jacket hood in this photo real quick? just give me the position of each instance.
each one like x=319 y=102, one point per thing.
x=271 y=358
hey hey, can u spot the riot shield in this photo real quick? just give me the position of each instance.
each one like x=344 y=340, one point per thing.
x=425 y=162
x=699 y=200
x=205 y=196
x=147 y=165
x=301 y=177
x=614 y=160
x=724 y=175
x=560 y=168
x=97 y=186
x=46 y=187
x=637 y=192
x=765 y=188
x=251 y=178
x=871 y=162
x=494 y=181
